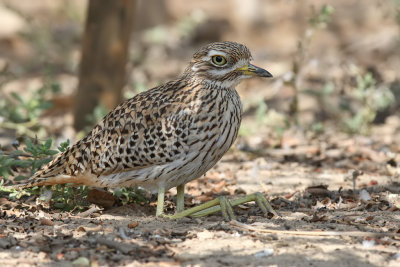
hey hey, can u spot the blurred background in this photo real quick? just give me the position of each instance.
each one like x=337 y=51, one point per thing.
x=321 y=139
x=64 y=64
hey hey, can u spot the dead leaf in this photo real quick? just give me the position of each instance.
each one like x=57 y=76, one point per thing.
x=393 y=208
x=317 y=218
x=290 y=195
x=373 y=182
x=133 y=225
x=89 y=229
x=204 y=198
x=369 y=218
x=326 y=201
x=102 y=198
x=319 y=190
x=46 y=222
x=218 y=187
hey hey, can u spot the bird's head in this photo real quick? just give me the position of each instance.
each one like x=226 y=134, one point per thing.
x=224 y=64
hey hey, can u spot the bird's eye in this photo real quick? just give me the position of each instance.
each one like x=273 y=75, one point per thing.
x=219 y=60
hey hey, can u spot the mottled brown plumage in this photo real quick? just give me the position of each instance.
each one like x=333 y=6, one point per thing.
x=166 y=136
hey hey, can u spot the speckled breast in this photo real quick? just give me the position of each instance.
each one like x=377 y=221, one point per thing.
x=212 y=128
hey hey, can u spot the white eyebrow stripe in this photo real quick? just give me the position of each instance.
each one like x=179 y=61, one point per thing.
x=213 y=52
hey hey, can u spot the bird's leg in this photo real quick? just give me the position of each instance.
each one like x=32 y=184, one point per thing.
x=160 y=201
x=180 y=198
x=259 y=198
x=221 y=203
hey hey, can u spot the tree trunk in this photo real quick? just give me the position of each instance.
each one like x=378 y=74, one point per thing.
x=104 y=56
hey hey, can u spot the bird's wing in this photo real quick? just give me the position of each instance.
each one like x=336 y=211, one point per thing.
x=147 y=130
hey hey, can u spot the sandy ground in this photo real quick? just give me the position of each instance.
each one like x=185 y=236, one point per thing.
x=130 y=235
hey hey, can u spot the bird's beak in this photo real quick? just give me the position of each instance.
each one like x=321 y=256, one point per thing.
x=254 y=71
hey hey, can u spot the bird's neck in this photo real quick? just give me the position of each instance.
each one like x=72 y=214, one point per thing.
x=213 y=84
x=223 y=85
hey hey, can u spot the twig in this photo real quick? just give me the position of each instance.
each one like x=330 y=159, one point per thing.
x=123 y=247
x=24 y=126
x=89 y=212
x=308 y=233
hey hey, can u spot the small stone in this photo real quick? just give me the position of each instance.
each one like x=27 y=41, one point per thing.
x=264 y=253
x=368 y=243
x=364 y=195
x=81 y=261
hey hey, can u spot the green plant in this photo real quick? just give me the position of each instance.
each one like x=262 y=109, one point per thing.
x=68 y=197
x=12 y=192
x=368 y=99
x=356 y=108
x=318 y=20
x=22 y=113
x=26 y=161
x=21 y=164
x=397 y=8
x=41 y=154
x=261 y=111
x=127 y=195
x=321 y=18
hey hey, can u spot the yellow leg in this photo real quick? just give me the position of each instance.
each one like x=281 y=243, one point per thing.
x=160 y=201
x=210 y=207
x=259 y=198
x=221 y=202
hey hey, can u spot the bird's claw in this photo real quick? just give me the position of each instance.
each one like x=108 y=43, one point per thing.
x=264 y=204
x=222 y=204
x=258 y=198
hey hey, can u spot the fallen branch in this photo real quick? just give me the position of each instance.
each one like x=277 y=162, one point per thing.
x=122 y=247
x=309 y=233
x=89 y=212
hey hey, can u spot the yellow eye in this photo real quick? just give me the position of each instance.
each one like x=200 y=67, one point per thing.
x=219 y=60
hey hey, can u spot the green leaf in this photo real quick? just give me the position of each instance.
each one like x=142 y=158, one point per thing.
x=51 y=152
x=17 y=97
x=30 y=147
x=55 y=87
x=16 y=153
x=59 y=205
x=4 y=173
x=63 y=146
x=47 y=144
x=22 y=163
x=40 y=162
x=20 y=178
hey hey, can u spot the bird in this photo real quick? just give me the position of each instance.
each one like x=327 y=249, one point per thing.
x=167 y=136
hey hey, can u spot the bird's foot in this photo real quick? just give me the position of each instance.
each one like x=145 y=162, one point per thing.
x=219 y=204
x=212 y=206
x=259 y=198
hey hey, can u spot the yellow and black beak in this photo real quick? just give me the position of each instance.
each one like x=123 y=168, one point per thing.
x=254 y=71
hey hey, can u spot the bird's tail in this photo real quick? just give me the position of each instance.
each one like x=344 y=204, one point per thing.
x=50 y=174
x=41 y=181
x=57 y=171
x=70 y=166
